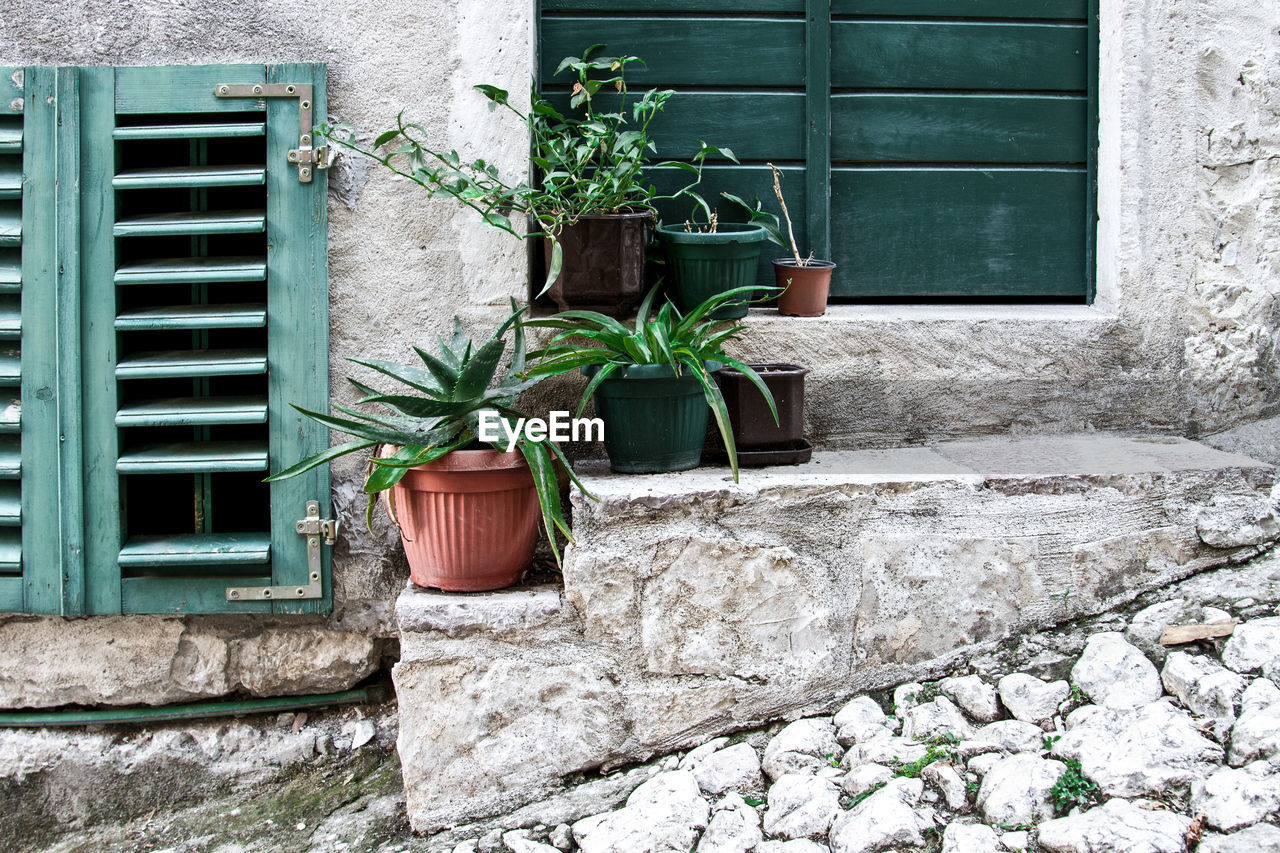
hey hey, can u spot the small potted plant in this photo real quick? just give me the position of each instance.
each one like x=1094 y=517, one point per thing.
x=467 y=509
x=652 y=382
x=804 y=283
x=591 y=203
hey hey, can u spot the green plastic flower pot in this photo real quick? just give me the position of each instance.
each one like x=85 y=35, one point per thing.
x=653 y=420
x=702 y=265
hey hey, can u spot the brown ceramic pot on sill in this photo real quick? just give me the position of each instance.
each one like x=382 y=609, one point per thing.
x=806 y=287
x=469 y=521
x=603 y=263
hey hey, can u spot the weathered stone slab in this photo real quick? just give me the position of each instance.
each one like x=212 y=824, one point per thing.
x=157 y=660
x=694 y=606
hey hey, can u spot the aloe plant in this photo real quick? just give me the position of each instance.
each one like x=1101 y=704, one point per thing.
x=441 y=413
x=685 y=342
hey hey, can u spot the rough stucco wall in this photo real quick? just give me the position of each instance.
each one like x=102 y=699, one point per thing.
x=1231 y=343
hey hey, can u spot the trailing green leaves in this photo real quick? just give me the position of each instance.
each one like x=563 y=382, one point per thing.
x=591 y=161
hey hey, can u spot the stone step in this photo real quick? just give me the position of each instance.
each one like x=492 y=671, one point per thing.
x=694 y=606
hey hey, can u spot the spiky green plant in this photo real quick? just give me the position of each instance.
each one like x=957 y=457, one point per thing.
x=685 y=342
x=441 y=414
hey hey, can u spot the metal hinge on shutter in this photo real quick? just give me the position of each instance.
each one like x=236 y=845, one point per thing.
x=317 y=530
x=306 y=155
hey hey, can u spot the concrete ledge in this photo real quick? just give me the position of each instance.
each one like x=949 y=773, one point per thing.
x=696 y=606
x=885 y=375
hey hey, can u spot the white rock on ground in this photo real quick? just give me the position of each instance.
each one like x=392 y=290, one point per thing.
x=950 y=785
x=695 y=756
x=980 y=765
x=1202 y=686
x=665 y=813
x=734 y=827
x=971 y=838
x=1257 y=733
x=974 y=696
x=906 y=696
x=1004 y=735
x=1230 y=521
x=518 y=841
x=805 y=745
x=938 y=717
x=735 y=768
x=1115 y=674
x=1148 y=624
x=1262 y=838
x=1016 y=789
x=801 y=806
x=1029 y=699
x=1118 y=826
x=1234 y=798
x=861 y=719
x=864 y=777
x=799 y=845
x=884 y=750
x=884 y=820
x=1138 y=752
x=1253 y=645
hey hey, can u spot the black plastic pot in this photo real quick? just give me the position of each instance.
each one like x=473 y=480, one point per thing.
x=653 y=420
x=759 y=440
x=603 y=266
x=702 y=265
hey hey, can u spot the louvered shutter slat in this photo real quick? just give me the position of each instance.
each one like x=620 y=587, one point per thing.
x=194 y=271
x=196 y=457
x=197 y=550
x=185 y=177
x=226 y=316
x=184 y=223
x=194 y=411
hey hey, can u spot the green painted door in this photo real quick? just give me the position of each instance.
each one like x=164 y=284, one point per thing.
x=935 y=149
x=189 y=266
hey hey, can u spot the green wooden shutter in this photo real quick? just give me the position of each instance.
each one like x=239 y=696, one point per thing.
x=11 y=148
x=193 y=298
x=936 y=149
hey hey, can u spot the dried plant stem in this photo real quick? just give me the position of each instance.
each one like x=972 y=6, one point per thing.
x=791 y=234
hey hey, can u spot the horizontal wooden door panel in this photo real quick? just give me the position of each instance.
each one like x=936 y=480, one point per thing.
x=942 y=128
x=878 y=54
x=1025 y=9
x=958 y=232
x=684 y=52
x=754 y=125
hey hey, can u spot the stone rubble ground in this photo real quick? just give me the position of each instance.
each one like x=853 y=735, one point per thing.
x=1090 y=738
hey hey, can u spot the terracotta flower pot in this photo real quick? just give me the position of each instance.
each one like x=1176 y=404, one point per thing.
x=469 y=521
x=806 y=287
x=603 y=263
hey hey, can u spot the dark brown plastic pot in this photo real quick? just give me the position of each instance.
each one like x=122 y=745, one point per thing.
x=749 y=415
x=469 y=521
x=603 y=267
x=806 y=287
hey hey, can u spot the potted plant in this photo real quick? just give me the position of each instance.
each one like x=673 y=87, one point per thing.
x=652 y=382
x=591 y=202
x=761 y=438
x=805 y=283
x=704 y=260
x=467 y=504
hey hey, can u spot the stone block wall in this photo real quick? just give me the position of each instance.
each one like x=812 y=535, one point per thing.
x=694 y=607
